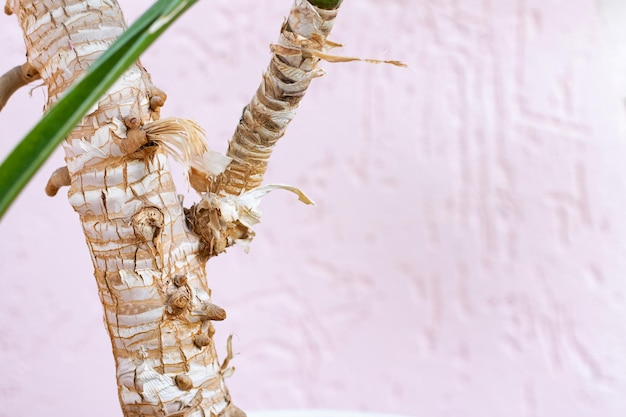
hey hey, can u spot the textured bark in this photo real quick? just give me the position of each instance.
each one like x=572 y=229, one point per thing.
x=151 y=281
x=265 y=119
x=149 y=266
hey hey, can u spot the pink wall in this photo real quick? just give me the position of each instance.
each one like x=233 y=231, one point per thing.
x=466 y=257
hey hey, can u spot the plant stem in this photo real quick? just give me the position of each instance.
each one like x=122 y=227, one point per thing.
x=266 y=118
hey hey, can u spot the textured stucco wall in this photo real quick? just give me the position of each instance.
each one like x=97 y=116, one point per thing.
x=466 y=257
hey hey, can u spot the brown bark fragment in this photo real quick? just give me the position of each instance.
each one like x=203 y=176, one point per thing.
x=229 y=353
x=157 y=98
x=183 y=382
x=59 y=178
x=180 y=280
x=135 y=139
x=201 y=340
x=214 y=312
x=14 y=79
x=216 y=234
x=132 y=121
x=148 y=223
x=178 y=301
x=232 y=411
x=199 y=181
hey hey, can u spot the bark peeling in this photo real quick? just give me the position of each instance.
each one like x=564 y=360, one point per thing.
x=284 y=83
x=132 y=218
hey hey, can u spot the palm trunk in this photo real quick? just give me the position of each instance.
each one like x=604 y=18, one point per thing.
x=149 y=267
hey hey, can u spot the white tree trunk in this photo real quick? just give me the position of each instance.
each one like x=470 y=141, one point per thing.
x=151 y=280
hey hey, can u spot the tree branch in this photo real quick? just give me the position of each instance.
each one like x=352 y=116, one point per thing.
x=266 y=117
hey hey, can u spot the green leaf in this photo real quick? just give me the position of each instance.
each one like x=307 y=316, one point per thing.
x=28 y=156
x=326 y=4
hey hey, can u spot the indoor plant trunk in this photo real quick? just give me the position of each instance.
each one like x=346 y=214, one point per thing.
x=148 y=252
